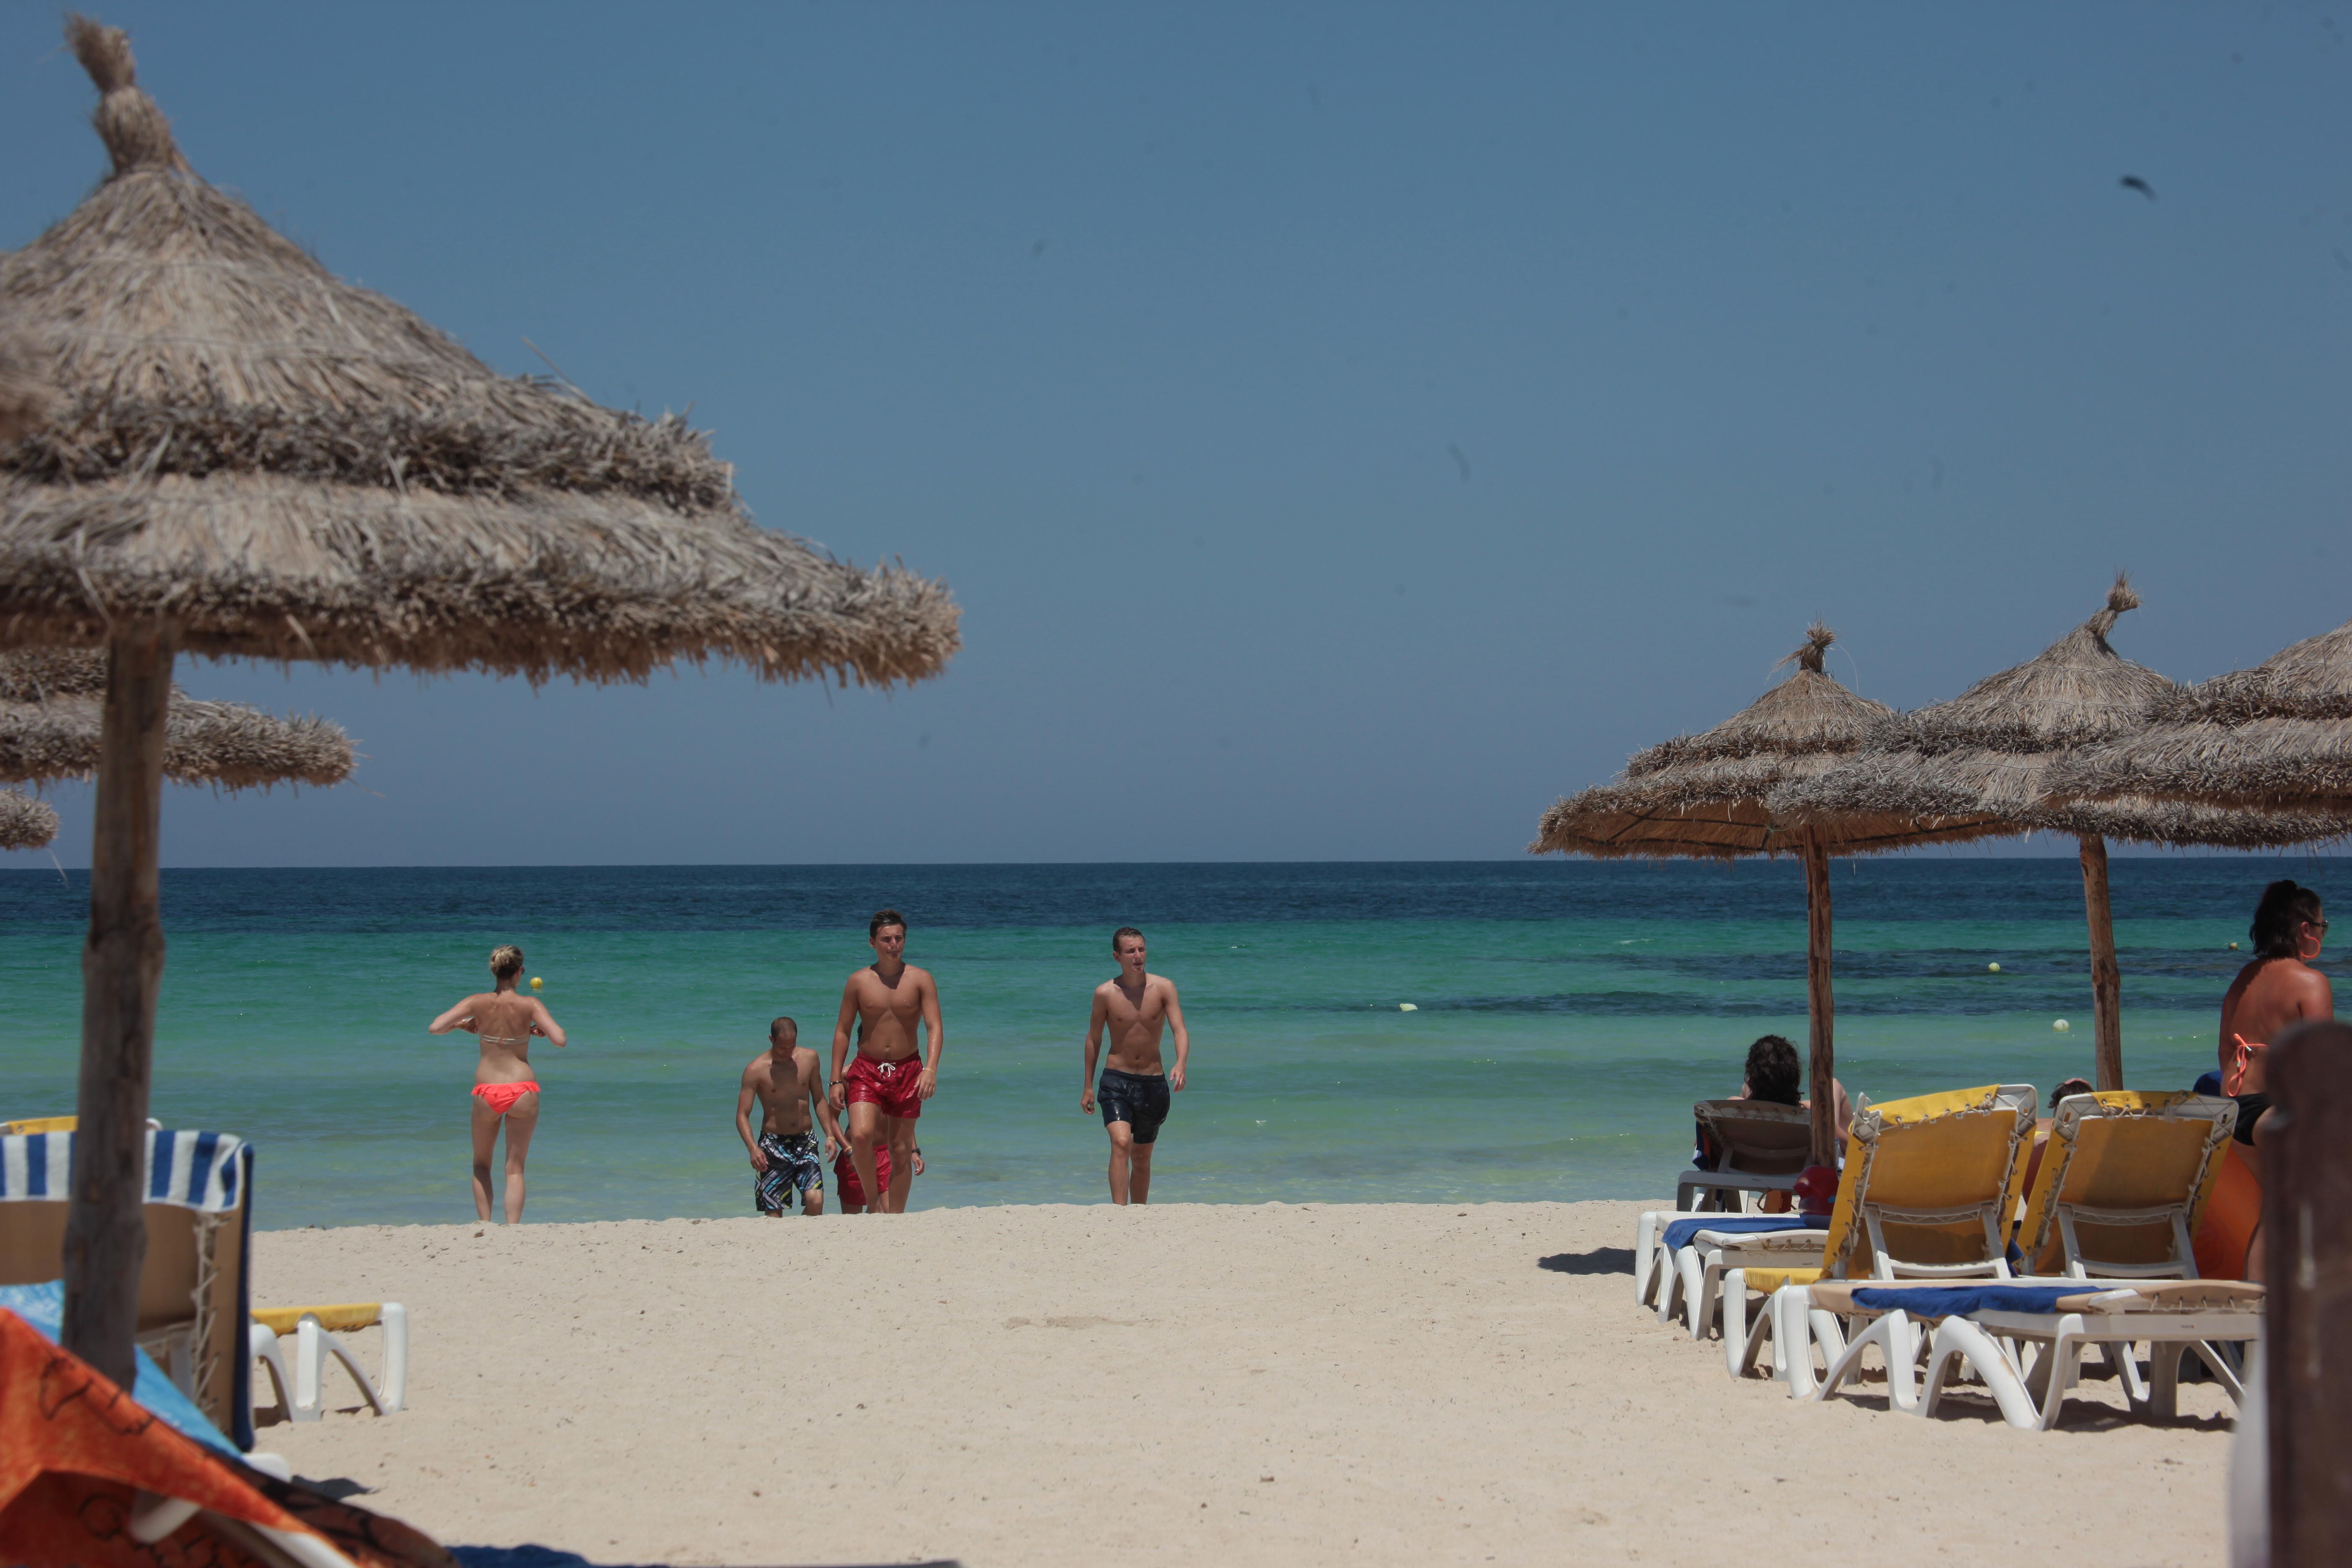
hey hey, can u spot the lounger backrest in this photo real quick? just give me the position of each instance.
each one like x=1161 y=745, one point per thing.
x=1755 y=1137
x=198 y=1232
x=2130 y=1171
x=1935 y=1178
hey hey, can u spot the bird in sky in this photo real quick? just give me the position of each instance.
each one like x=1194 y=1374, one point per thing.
x=2133 y=183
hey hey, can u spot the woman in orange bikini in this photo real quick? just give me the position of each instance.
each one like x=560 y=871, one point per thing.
x=504 y=1090
x=2277 y=989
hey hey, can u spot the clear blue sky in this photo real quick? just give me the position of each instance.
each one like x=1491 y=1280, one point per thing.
x=1346 y=429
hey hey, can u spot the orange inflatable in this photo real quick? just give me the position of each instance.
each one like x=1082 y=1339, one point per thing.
x=2230 y=1215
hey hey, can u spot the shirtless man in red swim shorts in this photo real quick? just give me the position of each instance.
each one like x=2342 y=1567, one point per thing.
x=884 y=1090
x=504 y=1090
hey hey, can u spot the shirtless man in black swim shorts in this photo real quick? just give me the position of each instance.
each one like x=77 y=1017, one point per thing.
x=1134 y=1089
x=787 y=1081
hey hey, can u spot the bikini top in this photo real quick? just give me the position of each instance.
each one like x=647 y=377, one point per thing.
x=2241 y=1056
x=510 y=1041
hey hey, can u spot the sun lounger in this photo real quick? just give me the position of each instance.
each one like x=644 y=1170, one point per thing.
x=2124 y=1180
x=1695 y=1248
x=2173 y=1317
x=1894 y=1318
x=313 y=1330
x=1653 y=1260
x=1760 y=1147
x=1927 y=1191
x=193 y=1295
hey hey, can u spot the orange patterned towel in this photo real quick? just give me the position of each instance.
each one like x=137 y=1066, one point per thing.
x=76 y=1452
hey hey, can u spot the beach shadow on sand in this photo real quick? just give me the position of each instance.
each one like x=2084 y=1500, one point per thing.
x=1599 y=1260
x=549 y=1557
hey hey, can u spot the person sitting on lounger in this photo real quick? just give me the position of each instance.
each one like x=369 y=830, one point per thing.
x=1774 y=1076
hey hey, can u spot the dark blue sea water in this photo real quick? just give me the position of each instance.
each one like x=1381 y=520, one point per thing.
x=1564 y=1014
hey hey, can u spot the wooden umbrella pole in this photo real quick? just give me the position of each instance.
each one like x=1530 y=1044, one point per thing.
x=121 y=967
x=1819 y=1007
x=2106 y=978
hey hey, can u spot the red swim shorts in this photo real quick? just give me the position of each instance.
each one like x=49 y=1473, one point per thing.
x=501 y=1096
x=890 y=1085
x=846 y=1185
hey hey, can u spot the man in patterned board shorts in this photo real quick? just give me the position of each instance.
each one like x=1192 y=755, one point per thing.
x=785 y=1161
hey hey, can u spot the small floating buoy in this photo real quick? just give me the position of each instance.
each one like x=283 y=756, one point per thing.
x=1407 y=1007
x=2233 y=947
x=1993 y=968
x=536 y=982
x=2062 y=1026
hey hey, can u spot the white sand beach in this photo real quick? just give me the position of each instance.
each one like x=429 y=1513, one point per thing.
x=1404 y=1384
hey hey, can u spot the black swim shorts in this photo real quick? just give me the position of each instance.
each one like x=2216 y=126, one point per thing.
x=2249 y=1111
x=1141 y=1102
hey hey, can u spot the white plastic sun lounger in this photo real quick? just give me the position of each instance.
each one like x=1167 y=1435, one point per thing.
x=1977 y=1326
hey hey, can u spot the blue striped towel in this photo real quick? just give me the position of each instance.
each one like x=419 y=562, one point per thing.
x=195 y=1170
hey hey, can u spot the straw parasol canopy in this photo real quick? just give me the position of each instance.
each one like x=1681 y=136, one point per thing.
x=25 y=823
x=280 y=464
x=2276 y=738
x=1705 y=795
x=1708 y=796
x=247 y=456
x=51 y=705
x=1983 y=762
x=24 y=400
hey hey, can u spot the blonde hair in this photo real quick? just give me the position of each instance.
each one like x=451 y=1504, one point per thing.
x=505 y=962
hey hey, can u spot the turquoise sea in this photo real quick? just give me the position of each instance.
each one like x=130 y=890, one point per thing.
x=1566 y=1013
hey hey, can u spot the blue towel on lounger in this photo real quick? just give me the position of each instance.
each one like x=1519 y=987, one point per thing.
x=1992 y=1296
x=1679 y=1232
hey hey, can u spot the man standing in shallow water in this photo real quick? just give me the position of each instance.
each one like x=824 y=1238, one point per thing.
x=1134 y=1089
x=884 y=1090
x=785 y=1080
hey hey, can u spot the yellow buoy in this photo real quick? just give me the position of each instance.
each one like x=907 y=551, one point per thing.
x=2062 y=1026
x=2233 y=947
x=1407 y=1007
x=1994 y=968
x=536 y=982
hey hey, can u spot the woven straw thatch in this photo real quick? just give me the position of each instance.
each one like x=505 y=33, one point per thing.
x=1707 y=796
x=51 y=704
x=25 y=823
x=1983 y=762
x=24 y=400
x=2277 y=737
x=274 y=463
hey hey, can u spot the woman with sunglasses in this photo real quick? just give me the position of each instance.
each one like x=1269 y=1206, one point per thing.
x=2278 y=989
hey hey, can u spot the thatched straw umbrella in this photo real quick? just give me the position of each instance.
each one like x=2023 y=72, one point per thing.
x=25 y=823
x=52 y=706
x=1705 y=796
x=24 y=400
x=249 y=457
x=1987 y=755
x=2278 y=736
